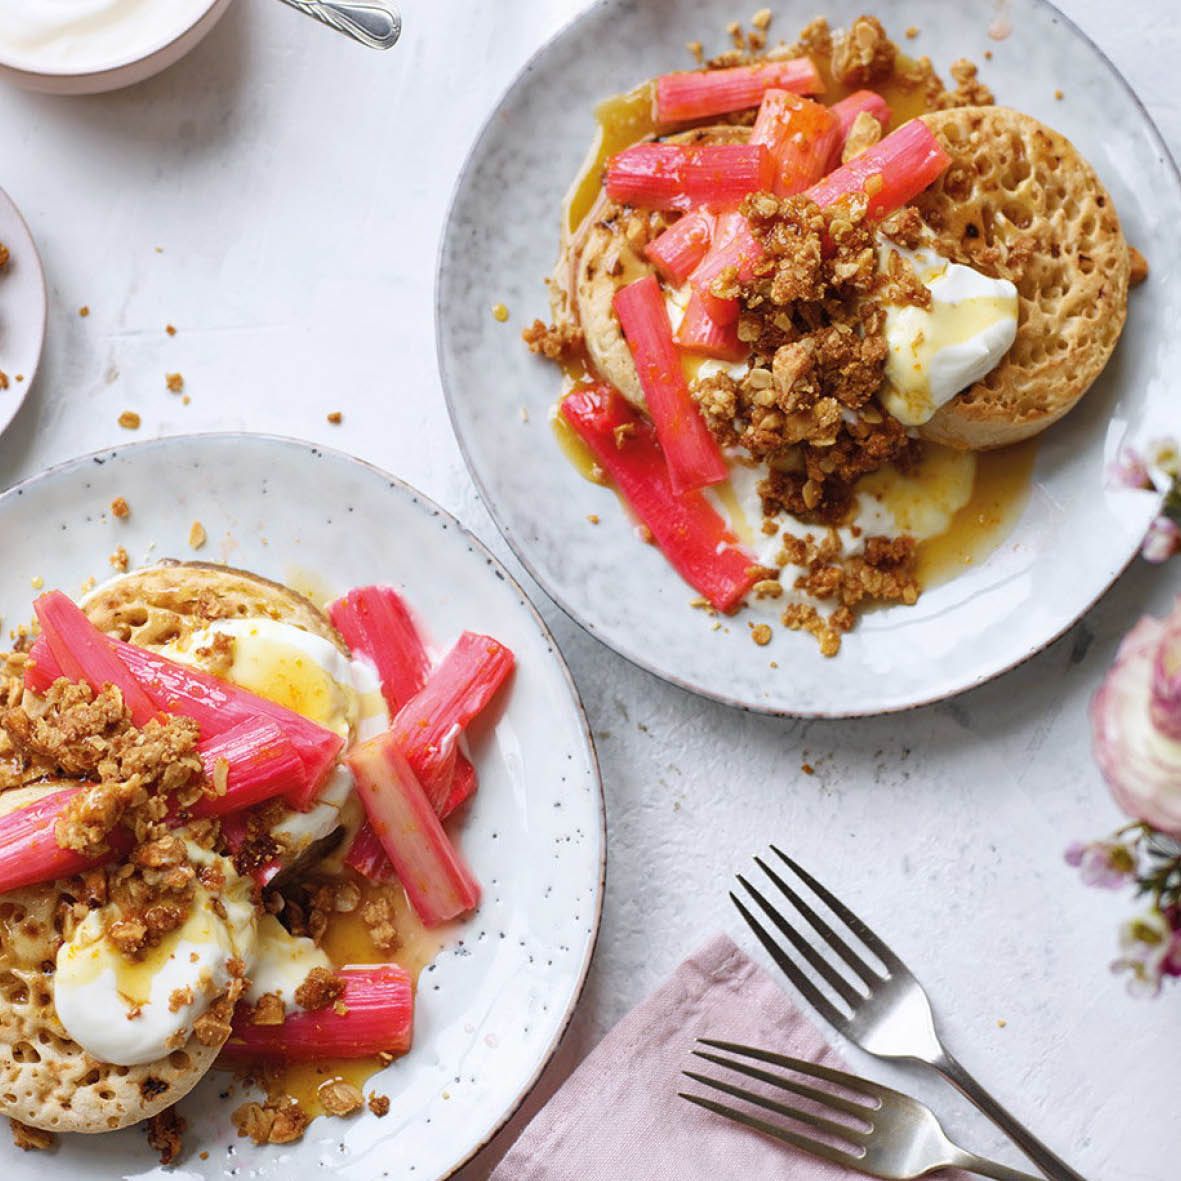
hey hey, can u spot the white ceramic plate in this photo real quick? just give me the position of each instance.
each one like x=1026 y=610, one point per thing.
x=492 y=1009
x=23 y=307
x=1075 y=536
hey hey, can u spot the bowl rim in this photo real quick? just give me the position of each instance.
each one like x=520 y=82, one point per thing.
x=520 y=551
x=429 y=505
x=96 y=71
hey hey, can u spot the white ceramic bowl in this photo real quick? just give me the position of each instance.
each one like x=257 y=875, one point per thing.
x=115 y=74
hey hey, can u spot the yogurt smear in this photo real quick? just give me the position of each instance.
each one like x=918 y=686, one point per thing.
x=76 y=36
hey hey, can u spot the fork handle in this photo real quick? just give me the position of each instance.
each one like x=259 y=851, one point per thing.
x=971 y=1163
x=1052 y=1165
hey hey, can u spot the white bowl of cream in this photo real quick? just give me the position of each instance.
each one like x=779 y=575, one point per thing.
x=90 y=46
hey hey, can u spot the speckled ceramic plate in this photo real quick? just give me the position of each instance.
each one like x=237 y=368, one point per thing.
x=23 y=307
x=492 y=1009
x=1074 y=537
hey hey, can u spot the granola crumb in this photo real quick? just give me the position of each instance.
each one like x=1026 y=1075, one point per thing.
x=84 y=310
x=36 y=582
x=335 y=417
x=31 y=1139
x=1001 y=1023
x=129 y=420
x=912 y=32
x=120 y=508
x=175 y=382
x=119 y=559
x=338 y=1097
x=3 y=380
x=322 y=988
x=593 y=518
x=170 y=329
x=197 y=535
x=379 y=1104
x=1059 y=95
x=697 y=50
x=553 y=341
x=807 y=769
x=280 y=1122
x=269 y=1010
x=1139 y=270
x=761 y=634
x=499 y=313
x=165 y=1132
x=988 y=55
x=185 y=399
x=20 y=377
x=762 y=19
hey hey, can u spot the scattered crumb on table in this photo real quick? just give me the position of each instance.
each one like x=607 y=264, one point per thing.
x=129 y=420
x=196 y=535
x=120 y=507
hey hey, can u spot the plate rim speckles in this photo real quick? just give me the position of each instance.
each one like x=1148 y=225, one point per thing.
x=472 y=585
x=24 y=299
x=469 y=254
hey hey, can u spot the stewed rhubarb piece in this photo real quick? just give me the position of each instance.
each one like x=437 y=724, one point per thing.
x=437 y=882
x=246 y=764
x=690 y=533
x=29 y=852
x=83 y=653
x=734 y=248
x=699 y=332
x=698 y=94
x=368 y=857
x=376 y=623
x=376 y=1016
x=682 y=246
x=691 y=452
x=428 y=726
x=680 y=176
x=890 y=173
x=800 y=135
x=869 y=101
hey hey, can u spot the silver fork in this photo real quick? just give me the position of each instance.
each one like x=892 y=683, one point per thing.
x=888 y=1013
x=893 y=1137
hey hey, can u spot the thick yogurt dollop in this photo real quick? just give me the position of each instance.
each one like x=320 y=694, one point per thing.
x=75 y=36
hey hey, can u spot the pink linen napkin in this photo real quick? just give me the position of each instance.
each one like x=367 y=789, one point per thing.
x=618 y=1116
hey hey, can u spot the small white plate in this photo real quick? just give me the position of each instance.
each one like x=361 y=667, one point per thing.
x=1075 y=536
x=495 y=1003
x=23 y=308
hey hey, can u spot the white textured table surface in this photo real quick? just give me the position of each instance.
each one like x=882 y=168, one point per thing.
x=297 y=187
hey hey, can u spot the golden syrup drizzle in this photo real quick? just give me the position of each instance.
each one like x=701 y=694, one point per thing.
x=623 y=120
x=574 y=449
x=1000 y=493
x=906 y=102
x=348 y=941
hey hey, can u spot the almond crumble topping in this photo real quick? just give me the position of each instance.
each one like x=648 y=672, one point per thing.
x=31 y=1139
x=379 y=1104
x=165 y=1132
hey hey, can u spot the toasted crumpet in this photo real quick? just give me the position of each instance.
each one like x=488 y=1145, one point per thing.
x=603 y=261
x=1020 y=202
x=46 y=1079
x=160 y=603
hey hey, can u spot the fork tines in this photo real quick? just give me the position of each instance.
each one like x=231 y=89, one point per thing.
x=846 y=1140
x=840 y=982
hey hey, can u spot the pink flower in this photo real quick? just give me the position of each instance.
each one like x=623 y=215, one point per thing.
x=1162 y=541
x=1106 y=865
x=1129 y=471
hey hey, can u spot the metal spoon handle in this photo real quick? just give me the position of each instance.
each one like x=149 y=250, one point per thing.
x=372 y=22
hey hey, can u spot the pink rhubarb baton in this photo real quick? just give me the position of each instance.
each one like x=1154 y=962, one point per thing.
x=699 y=332
x=682 y=246
x=690 y=533
x=734 y=247
x=428 y=726
x=698 y=94
x=376 y=623
x=367 y=856
x=437 y=882
x=676 y=176
x=253 y=761
x=800 y=135
x=29 y=852
x=890 y=173
x=377 y=1018
x=83 y=653
x=691 y=452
